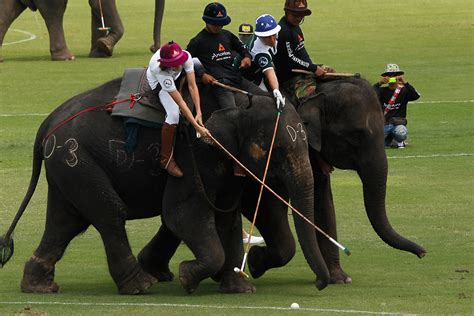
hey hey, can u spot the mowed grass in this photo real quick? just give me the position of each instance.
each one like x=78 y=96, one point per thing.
x=430 y=184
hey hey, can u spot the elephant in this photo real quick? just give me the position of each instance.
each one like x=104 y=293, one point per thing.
x=52 y=11
x=344 y=127
x=93 y=181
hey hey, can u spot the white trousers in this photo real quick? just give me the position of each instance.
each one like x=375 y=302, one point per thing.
x=171 y=108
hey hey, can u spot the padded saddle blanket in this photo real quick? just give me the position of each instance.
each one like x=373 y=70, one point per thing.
x=148 y=108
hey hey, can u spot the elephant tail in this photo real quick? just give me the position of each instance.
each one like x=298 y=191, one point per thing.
x=6 y=241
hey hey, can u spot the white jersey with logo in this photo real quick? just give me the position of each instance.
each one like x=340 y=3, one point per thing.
x=166 y=78
x=262 y=54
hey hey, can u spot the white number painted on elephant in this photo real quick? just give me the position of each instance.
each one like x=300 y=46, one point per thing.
x=49 y=146
x=119 y=155
x=71 y=157
x=296 y=132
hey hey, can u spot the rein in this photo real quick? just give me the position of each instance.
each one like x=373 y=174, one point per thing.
x=200 y=185
x=133 y=98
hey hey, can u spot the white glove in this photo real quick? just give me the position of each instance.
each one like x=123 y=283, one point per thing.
x=279 y=99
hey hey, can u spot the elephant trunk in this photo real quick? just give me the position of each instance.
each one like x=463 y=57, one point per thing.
x=374 y=180
x=301 y=194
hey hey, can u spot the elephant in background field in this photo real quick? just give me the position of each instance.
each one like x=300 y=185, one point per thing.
x=52 y=11
x=93 y=181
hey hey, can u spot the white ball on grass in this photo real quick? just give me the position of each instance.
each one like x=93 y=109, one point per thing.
x=295 y=306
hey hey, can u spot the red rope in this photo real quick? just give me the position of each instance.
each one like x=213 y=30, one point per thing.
x=132 y=98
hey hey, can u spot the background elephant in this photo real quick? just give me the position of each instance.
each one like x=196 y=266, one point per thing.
x=52 y=11
x=345 y=129
x=93 y=181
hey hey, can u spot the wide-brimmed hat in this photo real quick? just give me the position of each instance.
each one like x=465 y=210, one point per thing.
x=392 y=70
x=171 y=55
x=216 y=14
x=297 y=7
x=266 y=25
x=245 y=29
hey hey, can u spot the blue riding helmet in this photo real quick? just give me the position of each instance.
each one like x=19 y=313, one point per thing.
x=215 y=14
x=266 y=25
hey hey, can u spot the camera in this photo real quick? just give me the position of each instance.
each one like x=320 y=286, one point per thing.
x=392 y=80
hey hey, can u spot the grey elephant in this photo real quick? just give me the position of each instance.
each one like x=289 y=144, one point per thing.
x=344 y=127
x=92 y=181
x=52 y=11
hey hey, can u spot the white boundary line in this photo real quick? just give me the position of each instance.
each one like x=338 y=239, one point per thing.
x=447 y=101
x=431 y=156
x=30 y=38
x=350 y=311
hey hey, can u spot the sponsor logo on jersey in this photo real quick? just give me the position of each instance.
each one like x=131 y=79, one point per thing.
x=300 y=38
x=221 y=48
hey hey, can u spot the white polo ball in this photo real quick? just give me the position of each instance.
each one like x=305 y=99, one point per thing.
x=236 y=270
x=295 y=306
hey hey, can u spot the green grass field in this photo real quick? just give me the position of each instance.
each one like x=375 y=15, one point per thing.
x=430 y=194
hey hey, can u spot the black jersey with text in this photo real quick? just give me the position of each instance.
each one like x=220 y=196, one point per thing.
x=216 y=53
x=291 y=53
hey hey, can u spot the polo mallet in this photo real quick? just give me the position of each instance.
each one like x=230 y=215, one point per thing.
x=103 y=28
x=222 y=85
x=344 y=249
x=328 y=74
x=247 y=247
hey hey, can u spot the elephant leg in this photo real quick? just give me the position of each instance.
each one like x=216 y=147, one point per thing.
x=229 y=228
x=193 y=221
x=156 y=255
x=62 y=225
x=53 y=13
x=11 y=9
x=102 y=41
x=325 y=218
x=159 y=9
x=272 y=222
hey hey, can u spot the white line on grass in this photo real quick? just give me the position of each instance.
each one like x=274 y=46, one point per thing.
x=350 y=311
x=417 y=102
x=30 y=38
x=451 y=101
x=431 y=156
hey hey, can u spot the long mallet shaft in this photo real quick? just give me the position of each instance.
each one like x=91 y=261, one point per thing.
x=345 y=249
x=328 y=74
x=103 y=28
x=247 y=247
x=222 y=85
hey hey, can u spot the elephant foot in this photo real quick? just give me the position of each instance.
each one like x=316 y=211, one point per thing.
x=137 y=284
x=188 y=281
x=256 y=259
x=105 y=47
x=339 y=277
x=153 y=48
x=62 y=55
x=161 y=272
x=234 y=283
x=38 y=277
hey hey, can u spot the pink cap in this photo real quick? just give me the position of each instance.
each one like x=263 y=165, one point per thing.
x=171 y=55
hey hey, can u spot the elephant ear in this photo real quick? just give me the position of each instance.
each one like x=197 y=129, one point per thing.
x=310 y=113
x=224 y=126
